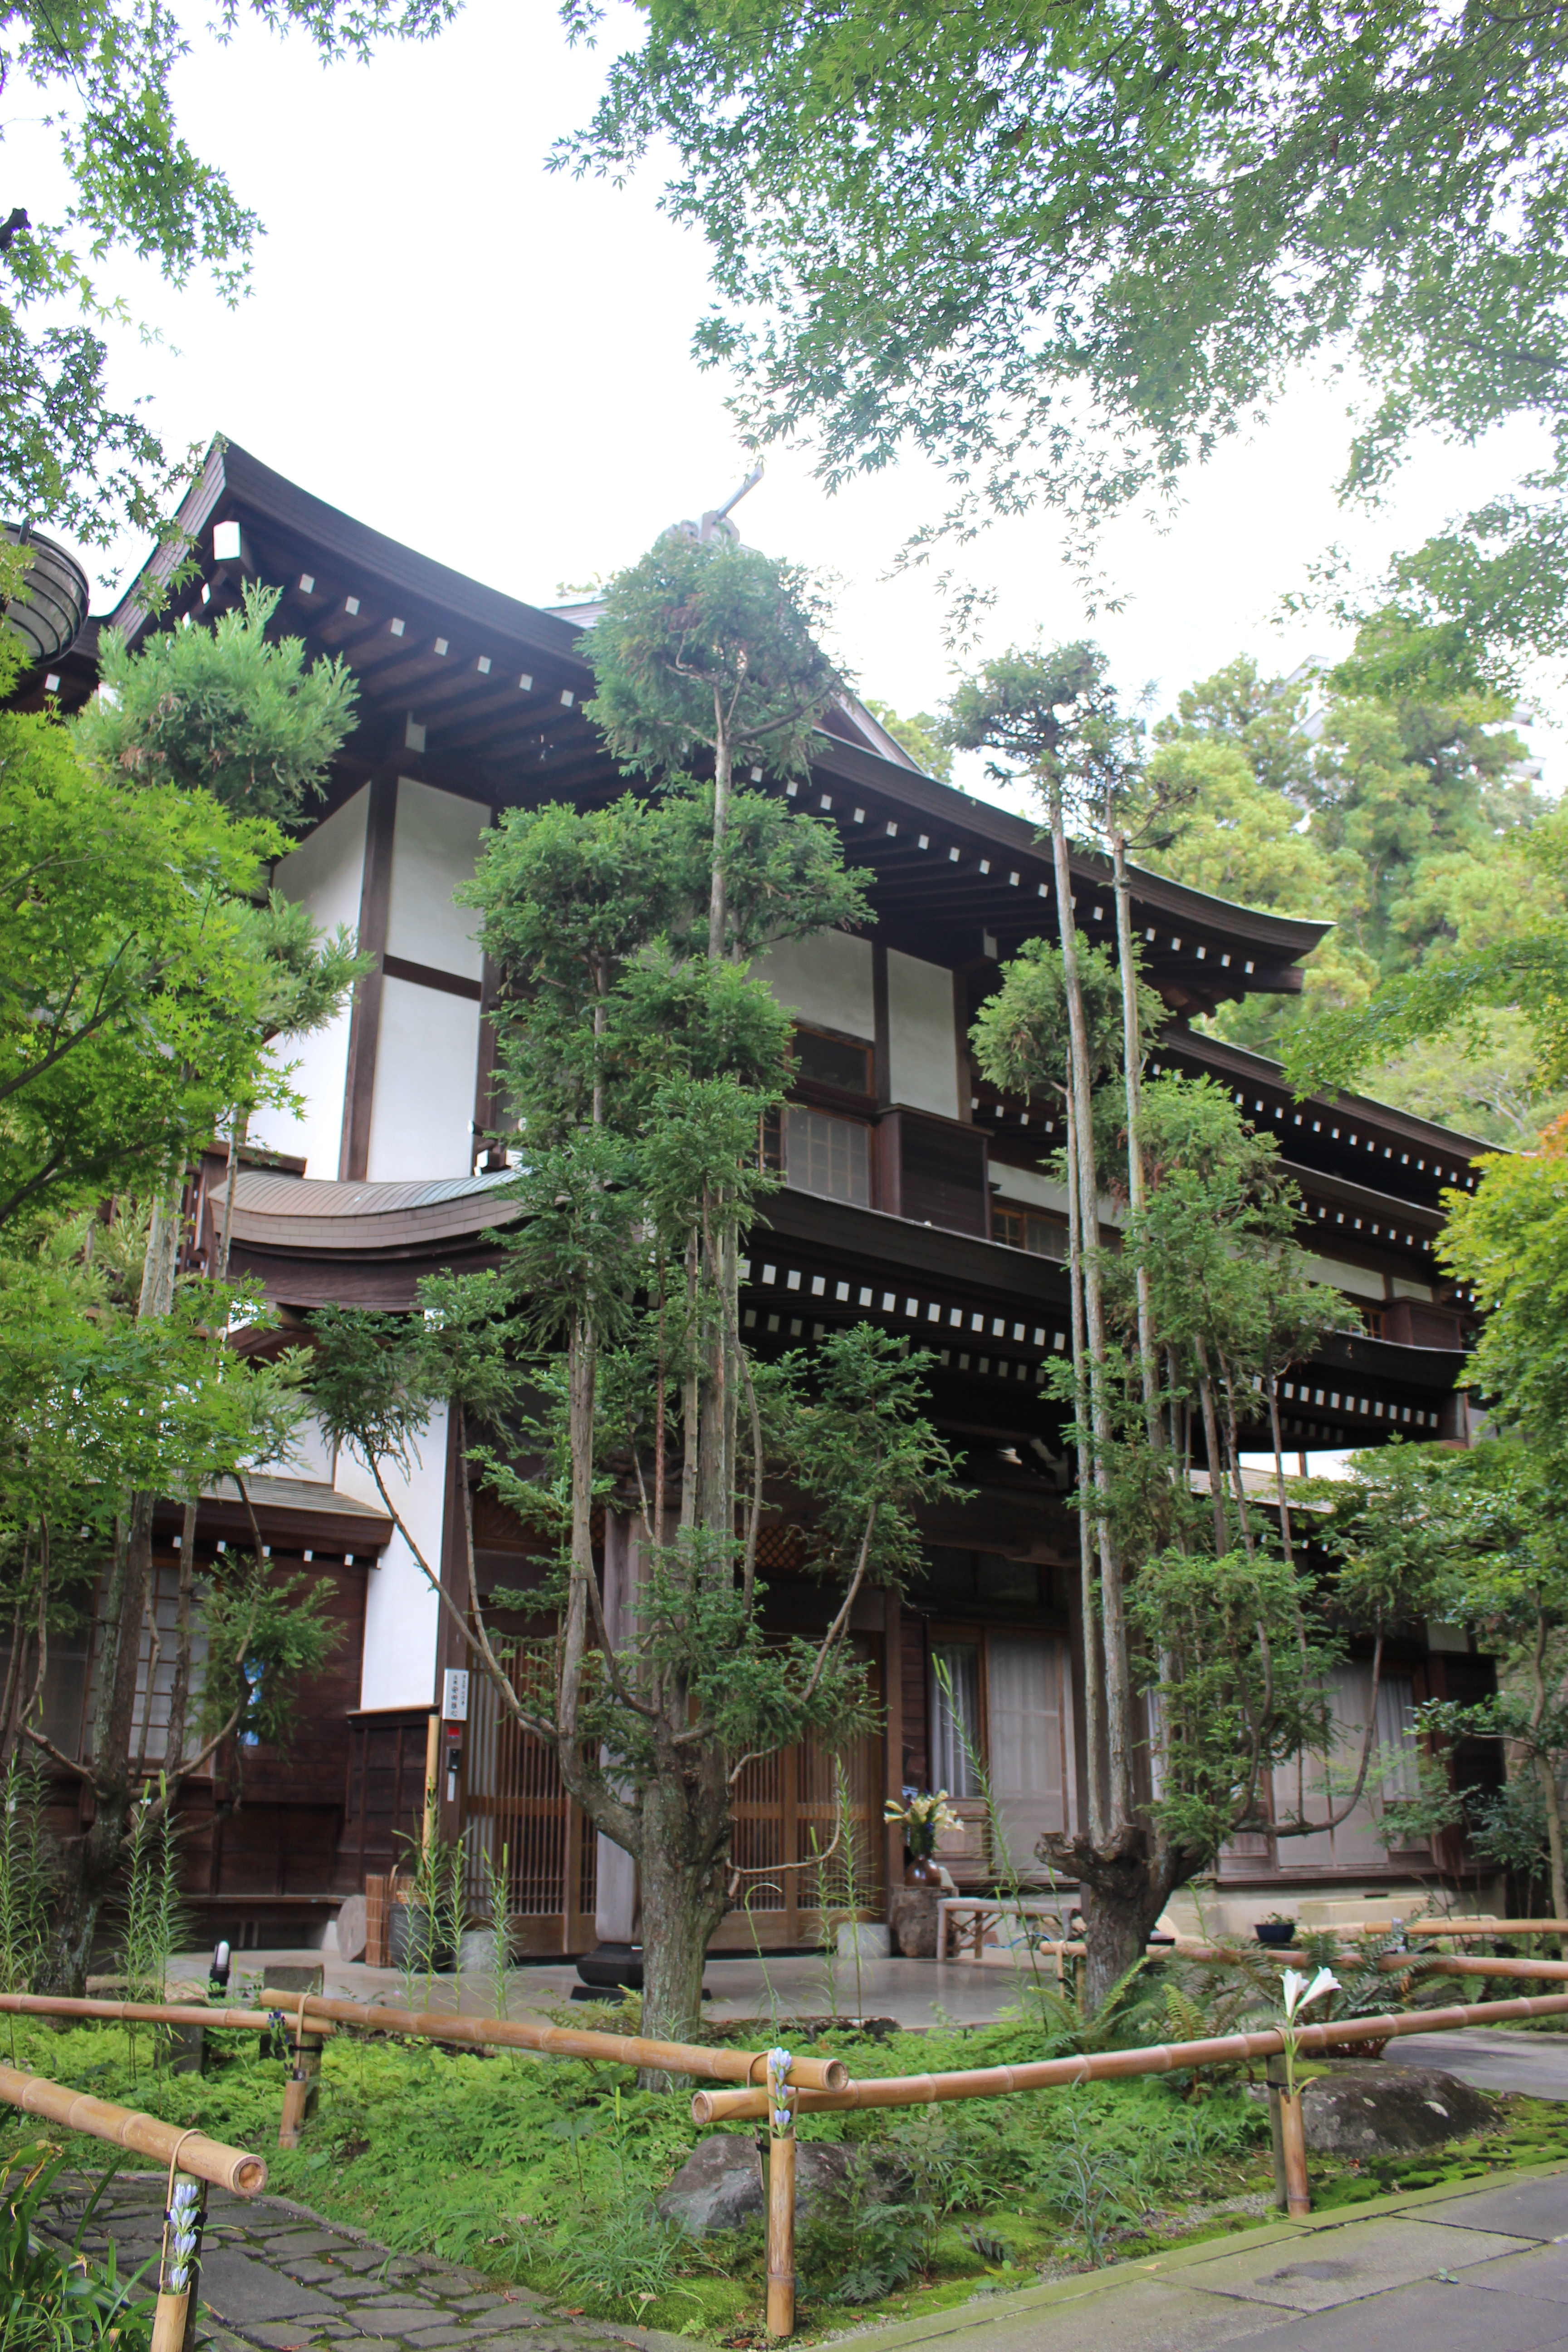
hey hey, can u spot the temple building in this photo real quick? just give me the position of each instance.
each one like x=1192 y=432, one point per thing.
x=913 y=1195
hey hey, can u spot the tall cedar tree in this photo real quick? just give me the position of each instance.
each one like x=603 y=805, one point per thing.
x=1202 y=1307
x=640 y=1061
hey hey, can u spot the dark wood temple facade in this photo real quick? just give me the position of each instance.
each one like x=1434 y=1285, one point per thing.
x=913 y=1195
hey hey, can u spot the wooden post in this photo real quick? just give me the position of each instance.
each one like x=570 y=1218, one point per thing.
x=781 y=2195
x=1276 y=2080
x=1293 y=2144
x=180 y=2266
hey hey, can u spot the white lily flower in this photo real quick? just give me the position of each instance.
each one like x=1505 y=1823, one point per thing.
x=1301 y=1992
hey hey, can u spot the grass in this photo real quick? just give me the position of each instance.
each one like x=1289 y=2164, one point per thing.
x=542 y=2172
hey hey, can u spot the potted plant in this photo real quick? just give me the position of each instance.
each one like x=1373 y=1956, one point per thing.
x=926 y=1816
x=1277 y=1930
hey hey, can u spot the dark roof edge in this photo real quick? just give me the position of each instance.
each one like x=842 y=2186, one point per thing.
x=231 y=474
x=1291 y=935
x=1243 y=1063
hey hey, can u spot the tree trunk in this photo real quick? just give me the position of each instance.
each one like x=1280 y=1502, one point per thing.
x=1093 y=1703
x=1133 y=1080
x=91 y=1862
x=180 y=1691
x=1118 y=1679
x=685 y=1847
x=1121 y=1903
x=718 y=912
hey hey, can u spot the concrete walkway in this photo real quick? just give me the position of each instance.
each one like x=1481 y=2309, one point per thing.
x=277 y=2278
x=1481 y=2269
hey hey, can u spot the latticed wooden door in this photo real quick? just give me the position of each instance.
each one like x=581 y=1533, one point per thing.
x=517 y=1812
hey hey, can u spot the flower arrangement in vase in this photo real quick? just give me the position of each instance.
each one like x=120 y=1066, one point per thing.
x=926 y=1816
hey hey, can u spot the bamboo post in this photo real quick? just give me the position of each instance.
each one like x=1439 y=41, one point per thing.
x=781 y=2195
x=302 y=2090
x=1293 y=2143
x=432 y=1768
x=180 y=2266
x=1276 y=2079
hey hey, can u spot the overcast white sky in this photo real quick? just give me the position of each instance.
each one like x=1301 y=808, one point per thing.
x=492 y=364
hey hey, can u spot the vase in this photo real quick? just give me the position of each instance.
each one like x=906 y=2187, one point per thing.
x=922 y=1871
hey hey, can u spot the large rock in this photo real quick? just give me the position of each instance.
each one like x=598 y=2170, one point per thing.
x=1371 y=2111
x=721 y=2184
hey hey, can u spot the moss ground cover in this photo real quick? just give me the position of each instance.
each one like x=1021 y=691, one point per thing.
x=543 y=2172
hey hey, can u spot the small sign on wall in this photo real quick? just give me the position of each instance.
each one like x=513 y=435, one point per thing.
x=455 y=1694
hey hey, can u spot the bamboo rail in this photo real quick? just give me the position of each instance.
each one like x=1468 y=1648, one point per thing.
x=203 y=2158
x=1485 y=1927
x=1110 y=2065
x=718 y=2065
x=1393 y=1964
x=148 y=2012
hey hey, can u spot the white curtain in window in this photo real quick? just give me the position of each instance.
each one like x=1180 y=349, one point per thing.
x=949 y=1762
x=1027 y=1692
x=1394 y=1774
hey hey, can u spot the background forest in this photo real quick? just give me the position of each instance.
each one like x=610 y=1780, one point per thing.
x=1398 y=802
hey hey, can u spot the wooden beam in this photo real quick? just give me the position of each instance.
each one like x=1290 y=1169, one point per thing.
x=365 y=1024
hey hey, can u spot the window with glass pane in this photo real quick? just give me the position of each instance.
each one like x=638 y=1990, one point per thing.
x=827 y=1155
x=955 y=1721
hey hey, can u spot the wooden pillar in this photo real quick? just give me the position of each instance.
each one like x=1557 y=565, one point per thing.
x=893 y=1742
x=365 y=1022
x=451 y=1650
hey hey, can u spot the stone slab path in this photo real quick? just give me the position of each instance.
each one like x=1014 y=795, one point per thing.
x=277 y=2278
x=1481 y=2269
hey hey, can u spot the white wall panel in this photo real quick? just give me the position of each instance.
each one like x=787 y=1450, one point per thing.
x=326 y=873
x=922 y=1040
x=827 y=979
x=427 y=1063
x=435 y=847
x=402 y=1614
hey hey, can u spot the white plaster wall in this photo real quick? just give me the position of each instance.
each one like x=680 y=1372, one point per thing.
x=1359 y=1280
x=325 y=873
x=401 y=1616
x=426 y=1061
x=923 y=1038
x=310 y=1454
x=435 y=847
x=827 y=979
x=1027 y=1184
x=1041 y=1192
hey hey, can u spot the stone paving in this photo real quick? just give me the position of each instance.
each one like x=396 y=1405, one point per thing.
x=1481 y=2269
x=277 y=2278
